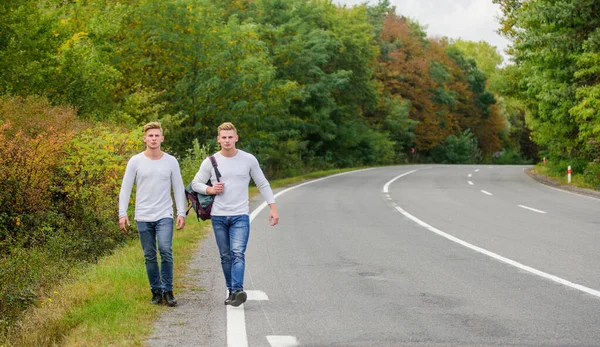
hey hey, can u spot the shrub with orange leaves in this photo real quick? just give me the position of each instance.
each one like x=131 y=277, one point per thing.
x=32 y=136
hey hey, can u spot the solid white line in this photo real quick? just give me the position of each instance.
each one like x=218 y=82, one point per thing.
x=486 y=193
x=282 y=341
x=386 y=187
x=494 y=255
x=236 y=327
x=471 y=183
x=532 y=209
x=264 y=204
x=236 y=319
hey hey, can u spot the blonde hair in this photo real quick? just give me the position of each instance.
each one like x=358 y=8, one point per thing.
x=152 y=125
x=226 y=126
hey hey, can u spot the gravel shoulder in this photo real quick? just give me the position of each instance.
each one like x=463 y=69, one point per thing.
x=200 y=318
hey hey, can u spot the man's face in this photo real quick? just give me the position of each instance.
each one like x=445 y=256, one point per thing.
x=227 y=139
x=153 y=138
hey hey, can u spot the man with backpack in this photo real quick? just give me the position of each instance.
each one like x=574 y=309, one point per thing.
x=154 y=172
x=230 y=210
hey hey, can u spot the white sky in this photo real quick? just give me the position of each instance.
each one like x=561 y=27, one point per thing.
x=473 y=20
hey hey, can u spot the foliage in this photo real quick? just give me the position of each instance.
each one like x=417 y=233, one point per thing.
x=59 y=189
x=87 y=185
x=33 y=135
x=446 y=90
x=487 y=57
x=458 y=149
x=555 y=45
x=190 y=164
x=591 y=175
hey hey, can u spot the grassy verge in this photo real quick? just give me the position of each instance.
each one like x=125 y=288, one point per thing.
x=104 y=304
x=107 y=304
x=576 y=178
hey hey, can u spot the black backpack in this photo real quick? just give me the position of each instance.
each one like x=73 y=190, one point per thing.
x=202 y=203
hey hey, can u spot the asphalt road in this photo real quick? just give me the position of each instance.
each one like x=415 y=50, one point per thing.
x=407 y=256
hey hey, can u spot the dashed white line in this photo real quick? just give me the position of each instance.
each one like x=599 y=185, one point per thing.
x=508 y=261
x=257 y=295
x=476 y=170
x=486 y=192
x=236 y=318
x=471 y=183
x=532 y=209
x=236 y=326
x=470 y=175
x=282 y=341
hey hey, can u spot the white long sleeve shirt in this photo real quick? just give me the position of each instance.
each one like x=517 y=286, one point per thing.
x=235 y=174
x=153 y=179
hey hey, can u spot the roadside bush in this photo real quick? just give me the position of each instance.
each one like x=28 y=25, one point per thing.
x=591 y=175
x=89 y=178
x=32 y=134
x=191 y=162
x=26 y=276
x=59 y=188
x=457 y=150
x=506 y=157
x=559 y=167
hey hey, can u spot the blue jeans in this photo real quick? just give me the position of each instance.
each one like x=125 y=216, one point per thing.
x=161 y=280
x=231 y=233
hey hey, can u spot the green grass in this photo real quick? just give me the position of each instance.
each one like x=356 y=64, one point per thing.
x=107 y=304
x=576 y=178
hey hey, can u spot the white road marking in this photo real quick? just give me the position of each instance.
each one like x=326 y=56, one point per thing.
x=531 y=209
x=386 y=187
x=264 y=204
x=486 y=192
x=476 y=170
x=471 y=183
x=236 y=318
x=470 y=175
x=258 y=295
x=282 y=341
x=236 y=326
x=490 y=254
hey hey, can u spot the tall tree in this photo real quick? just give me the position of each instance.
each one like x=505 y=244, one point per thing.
x=549 y=39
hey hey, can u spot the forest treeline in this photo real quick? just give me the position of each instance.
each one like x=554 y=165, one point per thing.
x=556 y=78
x=310 y=85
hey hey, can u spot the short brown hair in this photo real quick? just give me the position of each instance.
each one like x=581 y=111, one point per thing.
x=226 y=126
x=152 y=125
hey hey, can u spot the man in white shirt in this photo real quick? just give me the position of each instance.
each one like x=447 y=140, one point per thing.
x=230 y=211
x=154 y=172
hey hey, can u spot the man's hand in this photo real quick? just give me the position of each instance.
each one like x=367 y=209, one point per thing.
x=216 y=189
x=273 y=215
x=122 y=222
x=180 y=222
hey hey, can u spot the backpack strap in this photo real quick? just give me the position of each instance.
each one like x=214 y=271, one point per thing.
x=215 y=166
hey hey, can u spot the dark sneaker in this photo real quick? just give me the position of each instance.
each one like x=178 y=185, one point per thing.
x=229 y=298
x=239 y=297
x=170 y=299
x=156 y=298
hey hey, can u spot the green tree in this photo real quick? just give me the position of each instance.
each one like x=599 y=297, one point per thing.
x=485 y=55
x=552 y=42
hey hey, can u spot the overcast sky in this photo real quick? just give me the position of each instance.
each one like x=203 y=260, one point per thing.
x=473 y=20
